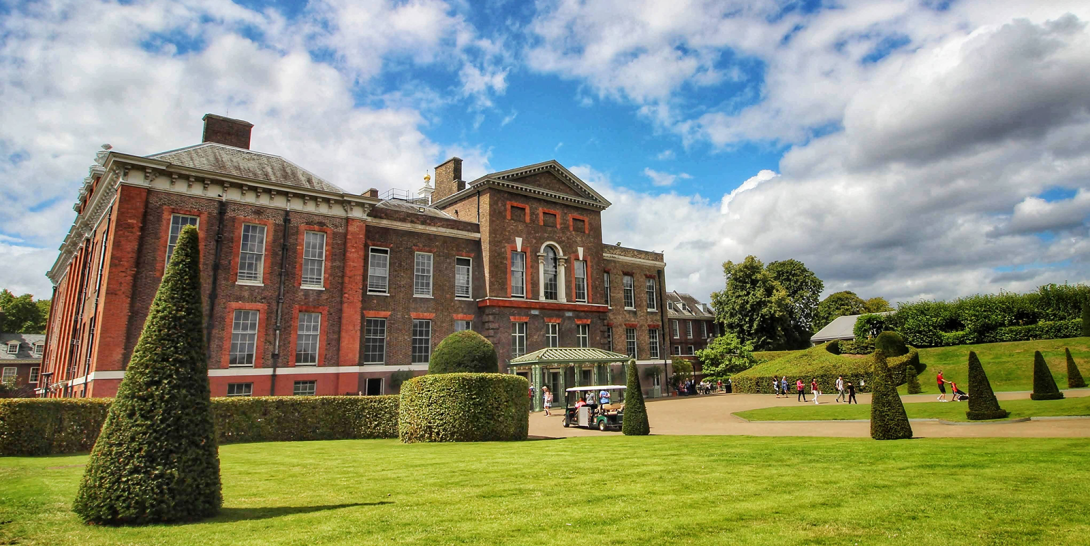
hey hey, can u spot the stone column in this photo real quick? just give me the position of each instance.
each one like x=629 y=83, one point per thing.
x=560 y=399
x=541 y=276
x=536 y=378
x=561 y=277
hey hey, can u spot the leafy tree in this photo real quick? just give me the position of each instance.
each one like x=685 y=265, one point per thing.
x=725 y=355
x=803 y=289
x=982 y=401
x=1074 y=378
x=683 y=370
x=1044 y=385
x=466 y=352
x=888 y=420
x=838 y=304
x=753 y=305
x=635 y=411
x=22 y=314
x=876 y=305
x=156 y=459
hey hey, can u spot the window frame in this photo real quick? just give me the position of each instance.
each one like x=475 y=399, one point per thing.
x=520 y=285
x=249 y=390
x=651 y=287
x=582 y=335
x=467 y=323
x=676 y=328
x=555 y=282
x=580 y=280
x=35 y=375
x=677 y=350
x=172 y=235
x=689 y=329
x=418 y=342
x=299 y=337
x=371 y=253
x=258 y=273
x=629 y=283
x=303 y=278
x=609 y=297
x=231 y=354
x=38 y=349
x=632 y=340
x=428 y=276
x=4 y=374
x=368 y=337
x=313 y=390
x=552 y=330
x=11 y=345
x=704 y=324
x=518 y=332
x=653 y=343
x=468 y=278
x=609 y=339
x=692 y=351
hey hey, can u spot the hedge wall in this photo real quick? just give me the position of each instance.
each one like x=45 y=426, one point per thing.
x=825 y=366
x=66 y=425
x=464 y=407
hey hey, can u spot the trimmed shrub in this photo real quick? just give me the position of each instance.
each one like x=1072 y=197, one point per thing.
x=1074 y=378
x=464 y=407
x=156 y=459
x=869 y=326
x=1042 y=330
x=464 y=352
x=891 y=344
x=858 y=347
x=912 y=383
x=47 y=426
x=635 y=411
x=888 y=420
x=1044 y=385
x=399 y=377
x=1084 y=328
x=833 y=346
x=818 y=362
x=982 y=401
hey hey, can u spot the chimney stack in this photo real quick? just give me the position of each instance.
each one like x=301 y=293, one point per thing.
x=373 y=193
x=448 y=179
x=222 y=130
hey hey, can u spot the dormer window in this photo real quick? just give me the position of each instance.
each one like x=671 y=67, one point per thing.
x=13 y=347
x=38 y=348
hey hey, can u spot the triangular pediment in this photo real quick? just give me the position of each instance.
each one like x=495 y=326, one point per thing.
x=552 y=177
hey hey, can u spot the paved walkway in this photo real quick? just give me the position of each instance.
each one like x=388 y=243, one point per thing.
x=711 y=415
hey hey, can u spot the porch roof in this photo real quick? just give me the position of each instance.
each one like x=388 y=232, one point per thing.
x=561 y=356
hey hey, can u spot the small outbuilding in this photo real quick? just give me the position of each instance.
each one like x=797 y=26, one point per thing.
x=840 y=328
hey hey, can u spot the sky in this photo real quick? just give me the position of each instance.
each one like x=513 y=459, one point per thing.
x=903 y=149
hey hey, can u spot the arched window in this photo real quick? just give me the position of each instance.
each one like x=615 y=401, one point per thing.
x=550 y=273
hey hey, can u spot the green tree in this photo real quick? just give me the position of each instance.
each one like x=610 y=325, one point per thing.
x=876 y=305
x=635 y=411
x=156 y=459
x=803 y=289
x=22 y=314
x=982 y=401
x=725 y=355
x=838 y=304
x=683 y=370
x=753 y=306
x=888 y=420
x=1074 y=378
x=464 y=352
x=1044 y=385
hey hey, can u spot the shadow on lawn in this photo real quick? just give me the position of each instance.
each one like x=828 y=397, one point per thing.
x=268 y=512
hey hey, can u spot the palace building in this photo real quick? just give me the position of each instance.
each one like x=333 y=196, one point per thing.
x=312 y=290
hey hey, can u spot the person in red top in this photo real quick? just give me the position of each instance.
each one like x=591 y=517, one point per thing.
x=814 y=389
x=942 y=387
x=801 y=387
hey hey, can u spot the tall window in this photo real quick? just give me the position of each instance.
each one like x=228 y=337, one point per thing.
x=378 y=271
x=518 y=274
x=677 y=350
x=460 y=325
x=580 y=280
x=34 y=374
x=605 y=285
x=39 y=347
x=518 y=339
x=704 y=324
x=374 y=341
x=689 y=329
x=583 y=335
x=630 y=341
x=306 y=340
x=421 y=348
x=243 y=338
x=463 y=278
x=652 y=295
x=251 y=254
x=552 y=334
x=653 y=339
x=422 y=275
x=550 y=273
x=609 y=339
x=304 y=388
x=629 y=292
x=677 y=332
x=691 y=350
x=240 y=389
x=177 y=222
x=314 y=259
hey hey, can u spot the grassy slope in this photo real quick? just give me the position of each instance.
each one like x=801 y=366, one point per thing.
x=949 y=411
x=613 y=490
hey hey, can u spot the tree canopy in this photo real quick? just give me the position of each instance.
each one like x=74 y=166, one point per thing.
x=838 y=304
x=22 y=314
x=724 y=356
x=803 y=292
x=769 y=307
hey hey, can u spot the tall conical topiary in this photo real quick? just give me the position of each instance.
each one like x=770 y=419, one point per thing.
x=1074 y=378
x=888 y=420
x=982 y=402
x=912 y=383
x=635 y=411
x=1044 y=385
x=156 y=459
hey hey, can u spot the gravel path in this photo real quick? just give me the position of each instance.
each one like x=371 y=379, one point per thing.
x=711 y=415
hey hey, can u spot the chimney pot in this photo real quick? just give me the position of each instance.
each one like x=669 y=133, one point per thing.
x=373 y=193
x=224 y=130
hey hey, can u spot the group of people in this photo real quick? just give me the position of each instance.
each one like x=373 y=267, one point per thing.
x=845 y=389
x=690 y=387
x=956 y=394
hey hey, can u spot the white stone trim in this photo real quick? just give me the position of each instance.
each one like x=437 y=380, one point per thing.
x=394 y=224
x=640 y=261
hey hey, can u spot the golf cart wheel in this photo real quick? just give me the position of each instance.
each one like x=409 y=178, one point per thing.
x=567 y=422
x=602 y=426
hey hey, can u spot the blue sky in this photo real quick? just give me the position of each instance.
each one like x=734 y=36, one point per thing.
x=904 y=149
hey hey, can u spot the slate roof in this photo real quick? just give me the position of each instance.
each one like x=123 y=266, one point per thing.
x=26 y=346
x=840 y=328
x=684 y=306
x=216 y=157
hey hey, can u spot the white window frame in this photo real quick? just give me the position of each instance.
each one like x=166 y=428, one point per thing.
x=629 y=283
x=417 y=342
x=552 y=335
x=518 y=339
x=423 y=274
x=311 y=391
x=465 y=286
x=653 y=342
x=315 y=260
x=9 y=374
x=692 y=351
x=258 y=275
x=374 y=272
x=317 y=336
x=609 y=339
x=172 y=235
x=463 y=325
x=630 y=338
x=39 y=348
x=34 y=375
x=676 y=328
x=580 y=274
x=247 y=390
x=677 y=350
x=689 y=329
x=609 y=297
x=370 y=330
x=704 y=324
x=13 y=347
x=552 y=286
x=518 y=289
x=651 y=287
x=237 y=339
x=582 y=335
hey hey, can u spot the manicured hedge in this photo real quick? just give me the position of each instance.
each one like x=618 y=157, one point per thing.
x=464 y=352
x=1074 y=377
x=464 y=407
x=912 y=382
x=888 y=420
x=826 y=367
x=858 y=347
x=66 y=425
x=1044 y=385
x=635 y=410
x=982 y=401
x=891 y=344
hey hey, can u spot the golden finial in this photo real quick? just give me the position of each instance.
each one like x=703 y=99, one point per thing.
x=427 y=178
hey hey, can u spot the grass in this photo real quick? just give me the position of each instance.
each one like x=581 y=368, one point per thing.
x=949 y=411
x=613 y=490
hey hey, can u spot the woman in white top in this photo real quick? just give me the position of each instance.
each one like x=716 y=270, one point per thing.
x=547 y=397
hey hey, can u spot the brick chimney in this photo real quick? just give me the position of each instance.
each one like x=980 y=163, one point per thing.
x=448 y=179
x=232 y=132
x=373 y=192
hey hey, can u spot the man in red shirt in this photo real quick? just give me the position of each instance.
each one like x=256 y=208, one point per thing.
x=942 y=387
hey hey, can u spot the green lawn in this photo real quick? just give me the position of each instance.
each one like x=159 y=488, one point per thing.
x=1009 y=365
x=950 y=411
x=604 y=490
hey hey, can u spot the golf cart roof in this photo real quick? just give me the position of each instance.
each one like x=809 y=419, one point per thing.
x=598 y=388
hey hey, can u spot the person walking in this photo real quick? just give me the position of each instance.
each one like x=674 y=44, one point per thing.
x=783 y=386
x=815 y=390
x=801 y=387
x=851 y=394
x=547 y=399
x=839 y=388
x=942 y=387
x=776 y=387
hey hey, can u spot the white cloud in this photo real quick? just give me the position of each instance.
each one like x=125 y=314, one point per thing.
x=665 y=155
x=749 y=184
x=509 y=118
x=663 y=179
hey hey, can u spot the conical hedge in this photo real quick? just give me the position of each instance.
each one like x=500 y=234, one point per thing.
x=635 y=411
x=912 y=383
x=1074 y=378
x=156 y=459
x=1044 y=385
x=982 y=402
x=888 y=420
